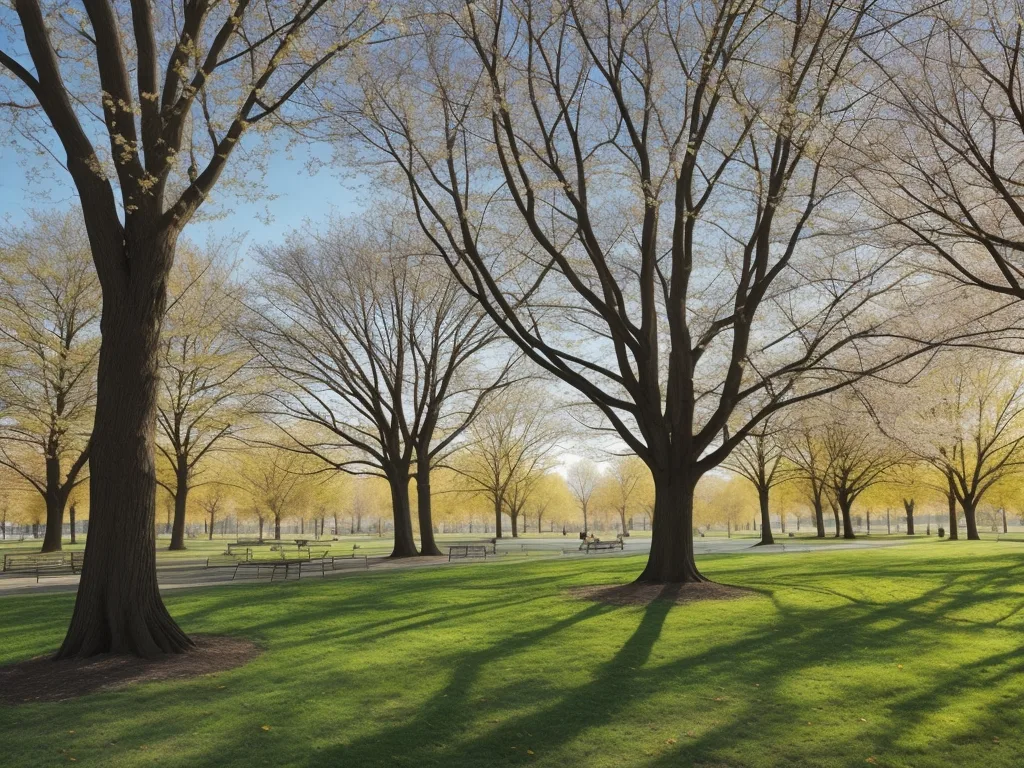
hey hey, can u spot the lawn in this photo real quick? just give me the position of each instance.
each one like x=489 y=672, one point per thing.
x=901 y=656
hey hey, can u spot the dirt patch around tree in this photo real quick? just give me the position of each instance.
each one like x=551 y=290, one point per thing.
x=42 y=679
x=644 y=594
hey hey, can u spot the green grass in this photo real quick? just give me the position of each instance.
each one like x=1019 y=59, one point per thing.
x=909 y=656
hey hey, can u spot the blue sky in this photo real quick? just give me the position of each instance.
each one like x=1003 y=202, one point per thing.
x=29 y=183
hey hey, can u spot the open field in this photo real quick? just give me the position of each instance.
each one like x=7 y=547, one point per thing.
x=899 y=656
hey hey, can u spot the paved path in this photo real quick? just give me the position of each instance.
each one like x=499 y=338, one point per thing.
x=186 y=574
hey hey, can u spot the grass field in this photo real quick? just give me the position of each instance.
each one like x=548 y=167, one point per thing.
x=905 y=656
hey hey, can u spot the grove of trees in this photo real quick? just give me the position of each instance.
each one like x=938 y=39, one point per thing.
x=758 y=259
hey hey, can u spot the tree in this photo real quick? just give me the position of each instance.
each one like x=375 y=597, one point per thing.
x=945 y=170
x=583 y=477
x=759 y=459
x=806 y=453
x=276 y=480
x=202 y=400
x=624 y=486
x=184 y=85
x=552 y=494
x=375 y=350
x=512 y=438
x=49 y=340
x=979 y=435
x=633 y=199
x=858 y=456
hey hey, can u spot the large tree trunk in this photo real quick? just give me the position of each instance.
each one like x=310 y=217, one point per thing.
x=847 y=520
x=428 y=546
x=971 y=518
x=71 y=521
x=622 y=519
x=671 y=558
x=819 y=518
x=55 y=501
x=766 y=521
x=118 y=608
x=213 y=514
x=513 y=516
x=405 y=544
x=180 y=507
x=277 y=526
x=835 y=514
x=908 y=506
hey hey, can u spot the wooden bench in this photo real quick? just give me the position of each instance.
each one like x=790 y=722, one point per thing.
x=41 y=564
x=460 y=551
x=337 y=561
x=596 y=545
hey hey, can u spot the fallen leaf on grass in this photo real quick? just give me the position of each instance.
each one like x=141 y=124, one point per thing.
x=670 y=741
x=264 y=727
x=871 y=760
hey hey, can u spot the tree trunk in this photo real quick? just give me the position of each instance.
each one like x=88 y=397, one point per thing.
x=405 y=544
x=71 y=520
x=513 y=517
x=835 y=514
x=277 y=526
x=55 y=501
x=908 y=507
x=497 y=515
x=847 y=521
x=428 y=547
x=971 y=518
x=1001 y=509
x=671 y=558
x=819 y=518
x=213 y=514
x=180 y=507
x=766 y=521
x=954 y=528
x=118 y=608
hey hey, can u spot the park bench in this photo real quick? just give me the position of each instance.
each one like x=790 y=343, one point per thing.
x=459 y=551
x=224 y=561
x=282 y=567
x=41 y=564
x=338 y=561
x=596 y=545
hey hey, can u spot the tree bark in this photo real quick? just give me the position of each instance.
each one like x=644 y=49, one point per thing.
x=55 y=502
x=971 y=518
x=71 y=520
x=118 y=608
x=497 y=515
x=180 y=507
x=908 y=506
x=671 y=559
x=1001 y=509
x=428 y=547
x=213 y=513
x=819 y=518
x=847 y=521
x=835 y=514
x=766 y=521
x=405 y=544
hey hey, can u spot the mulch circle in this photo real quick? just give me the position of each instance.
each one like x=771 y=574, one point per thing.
x=43 y=679
x=644 y=594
